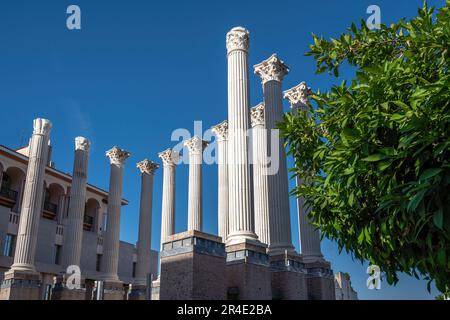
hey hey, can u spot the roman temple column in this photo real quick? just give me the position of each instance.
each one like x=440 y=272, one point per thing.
x=73 y=234
x=22 y=281
x=221 y=132
x=260 y=196
x=148 y=169
x=309 y=235
x=110 y=263
x=195 y=147
x=170 y=159
x=32 y=197
x=240 y=200
x=272 y=72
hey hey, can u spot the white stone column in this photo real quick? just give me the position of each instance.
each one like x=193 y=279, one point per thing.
x=147 y=169
x=32 y=199
x=221 y=132
x=170 y=160
x=309 y=235
x=260 y=190
x=195 y=147
x=272 y=72
x=241 y=221
x=111 y=243
x=73 y=232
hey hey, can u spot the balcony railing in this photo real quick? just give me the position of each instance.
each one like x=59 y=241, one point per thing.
x=50 y=210
x=50 y=207
x=8 y=193
x=88 y=222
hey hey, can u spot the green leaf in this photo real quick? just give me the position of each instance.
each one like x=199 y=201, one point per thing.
x=430 y=173
x=438 y=218
x=375 y=157
x=414 y=203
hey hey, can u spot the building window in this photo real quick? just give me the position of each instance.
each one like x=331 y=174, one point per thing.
x=48 y=292
x=134 y=270
x=98 y=263
x=58 y=254
x=8 y=249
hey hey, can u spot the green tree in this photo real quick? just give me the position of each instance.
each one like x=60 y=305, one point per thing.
x=375 y=152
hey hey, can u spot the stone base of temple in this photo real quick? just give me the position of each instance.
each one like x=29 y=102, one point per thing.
x=113 y=290
x=193 y=267
x=20 y=285
x=320 y=280
x=138 y=292
x=288 y=277
x=248 y=271
x=155 y=289
x=61 y=291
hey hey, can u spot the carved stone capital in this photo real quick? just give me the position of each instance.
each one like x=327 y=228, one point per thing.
x=117 y=156
x=257 y=115
x=195 y=145
x=42 y=126
x=238 y=38
x=221 y=131
x=81 y=143
x=147 y=166
x=169 y=157
x=298 y=96
x=272 y=69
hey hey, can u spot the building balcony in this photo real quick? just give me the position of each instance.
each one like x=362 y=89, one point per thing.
x=88 y=223
x=8 y=197
x=50 y=210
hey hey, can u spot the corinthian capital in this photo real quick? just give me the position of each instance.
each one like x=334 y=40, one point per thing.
x=42 y=126
x=169 y=157
x=147 y=166
x=221 y=130
x=257 y=115
x=298 y=96
x=195 y=145
x=271 y=69
x=117 y=156
x=238 y=39
x=81 y=143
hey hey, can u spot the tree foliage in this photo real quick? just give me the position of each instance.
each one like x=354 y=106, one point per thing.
x=375 y=152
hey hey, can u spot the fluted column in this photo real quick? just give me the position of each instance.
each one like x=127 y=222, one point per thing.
x=147 y=169
x=309 y=235
x=195 y=147
x=221 y=132
x=272 y=72
x=260 y=190
x=32 y=198
x=240 y=200
x=170 y=159
x=111 y=244
x=73 y=233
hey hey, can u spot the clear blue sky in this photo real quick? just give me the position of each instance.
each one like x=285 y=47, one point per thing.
x=140 y=69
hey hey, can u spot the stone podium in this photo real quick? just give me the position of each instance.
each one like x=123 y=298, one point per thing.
x=192 y=267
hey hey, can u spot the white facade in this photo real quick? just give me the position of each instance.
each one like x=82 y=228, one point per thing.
x=53 y=221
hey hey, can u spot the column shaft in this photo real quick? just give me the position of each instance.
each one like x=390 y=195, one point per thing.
x=279 y=208
x=74 y=224
x=195 y=193
x=32 y=199
x=112 y=235
x=148 y=169
x=223 y=224
x=309 y=235
x=240 y=200
x=169 y=159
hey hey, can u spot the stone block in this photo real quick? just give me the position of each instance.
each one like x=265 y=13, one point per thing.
x=193 y=267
